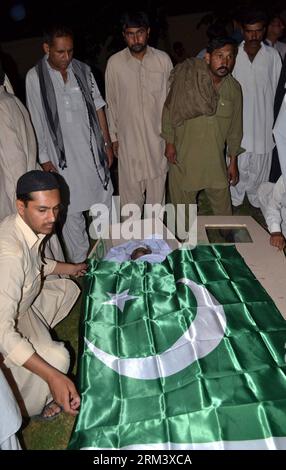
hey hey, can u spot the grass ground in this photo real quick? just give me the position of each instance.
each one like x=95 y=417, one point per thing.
x=55 y=435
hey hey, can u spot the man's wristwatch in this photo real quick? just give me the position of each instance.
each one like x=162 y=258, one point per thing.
x=107 y=144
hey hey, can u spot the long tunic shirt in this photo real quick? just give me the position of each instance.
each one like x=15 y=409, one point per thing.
x=273 y=205
x=279 y=46
x=135 y=94
x=258 y=80
x=200 y=141
x=279 y=132
x=80 y=175
x=21 y=288
x=17 y=148
x=11 y=419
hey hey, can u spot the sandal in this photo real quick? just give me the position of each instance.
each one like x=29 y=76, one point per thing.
x=42 y=417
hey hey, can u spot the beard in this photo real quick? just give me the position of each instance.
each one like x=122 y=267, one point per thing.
x=138 y=47
x=223 y=70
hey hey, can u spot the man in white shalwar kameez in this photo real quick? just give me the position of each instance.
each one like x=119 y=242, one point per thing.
x=67 y=112
x=18 y=148
x=136 y=89
x=257 y=69
x=35 y=365
x=272 y=196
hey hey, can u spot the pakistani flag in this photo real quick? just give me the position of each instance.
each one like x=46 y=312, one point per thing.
x=185 y=354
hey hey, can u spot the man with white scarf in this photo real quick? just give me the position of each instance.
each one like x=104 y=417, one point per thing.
x=68 y=115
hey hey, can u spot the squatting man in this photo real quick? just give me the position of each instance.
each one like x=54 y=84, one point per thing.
x=31 y=302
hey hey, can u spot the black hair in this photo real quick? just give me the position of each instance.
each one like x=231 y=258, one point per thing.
x=36 y=180
x=56 y=31
x=134 y=20
x=254 y=16
x=25 y=198
x=219 y=42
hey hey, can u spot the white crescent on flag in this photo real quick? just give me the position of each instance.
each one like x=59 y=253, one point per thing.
x=202 y=337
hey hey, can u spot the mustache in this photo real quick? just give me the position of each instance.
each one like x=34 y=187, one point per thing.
x=138 y=44
x=223 y=68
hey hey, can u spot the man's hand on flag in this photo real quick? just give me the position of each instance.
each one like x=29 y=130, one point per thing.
x=64 y=392
x=70 y=269
x=211 y=342
x=79 y=269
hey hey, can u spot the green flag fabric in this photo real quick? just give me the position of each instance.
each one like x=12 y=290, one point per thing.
x=185 y=354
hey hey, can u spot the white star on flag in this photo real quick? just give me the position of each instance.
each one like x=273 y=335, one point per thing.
x=120 y=299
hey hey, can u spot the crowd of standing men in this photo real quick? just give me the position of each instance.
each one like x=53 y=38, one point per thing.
x=208 y=122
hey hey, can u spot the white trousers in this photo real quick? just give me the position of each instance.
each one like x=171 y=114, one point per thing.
x=75 y=230
x=134 y=193
x=253 y=169
x=52 y=305
x=265 y=193
x=11 y=444
x=11 y=419
x=75 y=237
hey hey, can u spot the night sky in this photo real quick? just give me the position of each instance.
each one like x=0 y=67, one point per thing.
x=27 y=18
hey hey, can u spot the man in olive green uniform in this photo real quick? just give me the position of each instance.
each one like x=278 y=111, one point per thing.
x=203 y=114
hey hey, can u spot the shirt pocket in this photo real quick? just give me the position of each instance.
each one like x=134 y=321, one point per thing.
x=155 y=82
x=76 y=99
x=73 y=106
x=224 y=108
